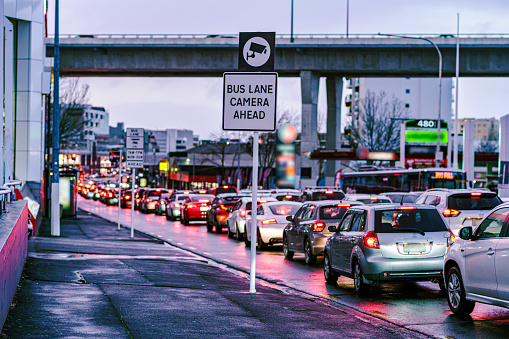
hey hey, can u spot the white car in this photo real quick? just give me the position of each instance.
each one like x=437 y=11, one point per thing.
x=270 y=223
x=174 y=207
x=368 y=199
x=460 y=205
x=475 y=265
x=237 y=218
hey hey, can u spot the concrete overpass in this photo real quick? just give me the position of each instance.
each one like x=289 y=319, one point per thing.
x=308 y=57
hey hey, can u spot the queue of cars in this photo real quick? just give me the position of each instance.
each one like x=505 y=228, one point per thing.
x=458 y=238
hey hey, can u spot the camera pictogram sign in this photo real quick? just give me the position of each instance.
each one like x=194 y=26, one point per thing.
x=256 y=51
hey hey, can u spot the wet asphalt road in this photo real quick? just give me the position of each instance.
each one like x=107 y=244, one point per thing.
x=417 y=306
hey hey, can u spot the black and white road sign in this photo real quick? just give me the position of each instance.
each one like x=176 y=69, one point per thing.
x=256 y=51
x=133 y=154
x=249 y=101
x=135 y=147
x=134 y=143
x=134 y=164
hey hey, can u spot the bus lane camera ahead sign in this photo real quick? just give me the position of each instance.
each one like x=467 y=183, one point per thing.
x=249 y=101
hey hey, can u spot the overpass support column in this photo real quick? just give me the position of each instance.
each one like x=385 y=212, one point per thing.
x=503 y=157
x=333 y=139
x=309 y=83
x=468 y=150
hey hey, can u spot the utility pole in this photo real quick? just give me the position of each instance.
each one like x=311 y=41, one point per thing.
x=55 y=199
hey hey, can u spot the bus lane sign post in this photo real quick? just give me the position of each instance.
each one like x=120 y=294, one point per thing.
x=135 y=156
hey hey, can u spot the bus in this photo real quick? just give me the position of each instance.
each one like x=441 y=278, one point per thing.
x=374 y=181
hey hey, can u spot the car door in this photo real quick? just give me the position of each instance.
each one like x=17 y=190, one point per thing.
x=290 y=228
x=501 y=267
x=337 y=257
x=233 y=216
x=350 y=237
x=480 y=255
x=303 y=225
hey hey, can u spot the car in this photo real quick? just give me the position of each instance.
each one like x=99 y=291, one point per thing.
x=270 y=222
x=237 y=219
x=459 y=205
x=321 y=193
x=126 y=198
x=160 y=205
x=307 y=230
x=475 y=265
x=139 y=196
x=217 y=215
x=195 y=207
x=222 y=189
x=173 y=207
x=402 y=197
x=148 y=202
x=368 y=199
x=387 y=242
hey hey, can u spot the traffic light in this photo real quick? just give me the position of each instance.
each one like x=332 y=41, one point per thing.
x=73 y=156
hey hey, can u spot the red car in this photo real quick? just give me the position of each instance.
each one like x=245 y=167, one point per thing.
x=218 y=215
x=195 y=208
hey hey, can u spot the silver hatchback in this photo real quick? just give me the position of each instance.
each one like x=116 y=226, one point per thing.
x=387 y=242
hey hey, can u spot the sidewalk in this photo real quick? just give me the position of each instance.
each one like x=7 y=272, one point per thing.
x=96 y=282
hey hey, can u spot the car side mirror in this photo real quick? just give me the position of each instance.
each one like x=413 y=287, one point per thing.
x=332 y=228
x=466 y=233
x=290 y=218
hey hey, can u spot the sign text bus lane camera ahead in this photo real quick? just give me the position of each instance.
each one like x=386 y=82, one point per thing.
x=249 y=101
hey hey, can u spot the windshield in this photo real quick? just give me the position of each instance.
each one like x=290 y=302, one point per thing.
x=220 y=190
x=333 y=211
x=284 y=209
x=474 y=201
x=375 y=201
x=200 y=197
x=394 y=220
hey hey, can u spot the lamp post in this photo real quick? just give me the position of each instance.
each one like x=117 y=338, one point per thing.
x=438 y=155
x=55 y=199
x=291 y=24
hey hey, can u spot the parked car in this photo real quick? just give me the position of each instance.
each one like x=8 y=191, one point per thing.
x=173 y=208
x=460 y=205
x=321 y=193
x=195 y=207
x=307 y=230
x=402 y=197
x=368 y=199
x=387 y=242
x=475 y=266
x=148 y=202
x=270 y=223
x=217 y=215
x=237 y=218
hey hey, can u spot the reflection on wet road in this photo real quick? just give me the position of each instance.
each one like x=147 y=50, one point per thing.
x=418 y=306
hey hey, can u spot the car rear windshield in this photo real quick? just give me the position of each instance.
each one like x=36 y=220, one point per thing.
x=220 y=190
x=200 y=197
x=473 y=201
x=375 y=201
x=333 y=211
x=287 y=197
x=405 y=198
x=229 y=201
x=284 y=209
x=316 y=196
x=156 y=193
x=394 y=220
x=250 y=204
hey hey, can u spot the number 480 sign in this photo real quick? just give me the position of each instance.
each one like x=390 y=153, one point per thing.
x=425 y=123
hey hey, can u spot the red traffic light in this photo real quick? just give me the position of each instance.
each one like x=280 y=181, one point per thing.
x=73 y=156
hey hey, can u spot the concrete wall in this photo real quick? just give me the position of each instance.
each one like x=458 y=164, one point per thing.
x=13 y=252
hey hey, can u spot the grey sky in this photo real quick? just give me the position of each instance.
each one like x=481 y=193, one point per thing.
x=159 y=103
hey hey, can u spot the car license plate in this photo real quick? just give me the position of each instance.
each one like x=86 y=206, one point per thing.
x=204 y=208
x=417 y=247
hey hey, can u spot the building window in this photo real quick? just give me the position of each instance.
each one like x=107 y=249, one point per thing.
x=180 y=141
x=408 y=92
x=97 y=116
x=96 y=124
x=407 y=106
x=305 y=172
x=102 y=117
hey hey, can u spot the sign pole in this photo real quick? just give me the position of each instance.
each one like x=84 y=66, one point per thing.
x=132 y=203
x=119 y=186
x=254 y=207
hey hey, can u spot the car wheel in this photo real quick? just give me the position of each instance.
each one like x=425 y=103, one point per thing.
x=230 y=233
x=286 y=249
x=247 y=242
x=237 y=232
x=358 y=279
x=260 y=245
x=328 y=272
x=456 y=294
x=168 y=217
x=219 y=229
x=209 y=227
x=183 y=220
x=309 y=258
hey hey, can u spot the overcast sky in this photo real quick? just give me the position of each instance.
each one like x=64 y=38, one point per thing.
x=196 y=103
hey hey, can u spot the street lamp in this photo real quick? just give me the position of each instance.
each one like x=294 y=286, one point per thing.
x=438 y=155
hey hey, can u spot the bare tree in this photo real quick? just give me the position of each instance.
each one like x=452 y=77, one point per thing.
x=73 y=98
x=218 y=151
x=378 y=126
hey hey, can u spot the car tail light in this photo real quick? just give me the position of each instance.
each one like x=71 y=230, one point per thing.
x=344 y=205
x=149 y=200
x=243 y=213
x=203 y=200
x=226 y=186
x=288 y=196
x=262 y=201
x=475 y=194
x=328 y=192
x=186 y=192
x=191 y=206
x=318 y=226
x=449 y=212
x=451 y=238
x=111 y=195
x=224 y=207
x=162 y=203
x=177 y=205
x=373 y=198
x=158 y=190
x=269 y=221
x=202 y=192
x=371 y=240
x=406 y=208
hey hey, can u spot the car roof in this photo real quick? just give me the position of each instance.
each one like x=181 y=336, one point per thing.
x=334 y=202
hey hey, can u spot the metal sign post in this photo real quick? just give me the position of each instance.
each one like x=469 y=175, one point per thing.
x=119 y=186
x=132 y=203
x=254 y=207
